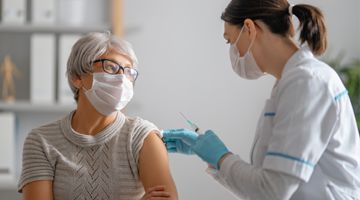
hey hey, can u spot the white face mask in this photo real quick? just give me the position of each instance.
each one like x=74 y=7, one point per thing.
x=245 y=66
x=109 y=93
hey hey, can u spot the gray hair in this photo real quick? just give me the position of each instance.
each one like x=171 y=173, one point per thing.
x=89 y=48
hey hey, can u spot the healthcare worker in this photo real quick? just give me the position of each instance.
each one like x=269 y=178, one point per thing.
x=307 y=143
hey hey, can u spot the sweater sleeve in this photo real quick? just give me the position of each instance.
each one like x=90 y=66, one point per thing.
x=35 y=163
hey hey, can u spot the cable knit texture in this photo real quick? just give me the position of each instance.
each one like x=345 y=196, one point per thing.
x=85 y=167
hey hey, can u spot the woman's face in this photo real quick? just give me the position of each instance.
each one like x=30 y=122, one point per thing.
x=231 y=33
x=112 y=55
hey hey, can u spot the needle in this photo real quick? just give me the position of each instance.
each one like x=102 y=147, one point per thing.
x=192 y=125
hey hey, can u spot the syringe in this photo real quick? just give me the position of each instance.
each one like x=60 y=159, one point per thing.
x=192 y=124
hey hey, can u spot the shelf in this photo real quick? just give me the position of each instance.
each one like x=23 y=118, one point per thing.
x=25 y=106
x=29 y=28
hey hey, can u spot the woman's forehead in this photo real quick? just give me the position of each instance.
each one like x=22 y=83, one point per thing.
x=118 y=57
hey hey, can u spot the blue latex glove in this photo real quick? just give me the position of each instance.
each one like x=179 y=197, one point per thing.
x=207 y=146
x=210 y=148
x=179 y=140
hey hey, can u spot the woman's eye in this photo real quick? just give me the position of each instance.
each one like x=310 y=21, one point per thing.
x=227 y=41
x=110 y=68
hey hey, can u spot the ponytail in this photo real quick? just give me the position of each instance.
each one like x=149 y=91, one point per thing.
x=312 y=25
x=276 y=14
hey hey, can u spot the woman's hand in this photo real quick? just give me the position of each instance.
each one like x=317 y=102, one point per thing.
x=156 y=193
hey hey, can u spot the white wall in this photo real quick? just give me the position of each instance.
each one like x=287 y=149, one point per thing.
x=184 y=67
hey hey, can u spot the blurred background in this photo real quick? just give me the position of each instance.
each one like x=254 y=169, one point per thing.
x=184 y=67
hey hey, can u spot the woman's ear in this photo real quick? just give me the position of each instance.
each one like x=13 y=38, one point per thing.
x=250 y=28
x=77 y=82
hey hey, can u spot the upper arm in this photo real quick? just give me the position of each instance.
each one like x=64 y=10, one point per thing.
x=38 y=190
x=154 y=165
x=36 y=164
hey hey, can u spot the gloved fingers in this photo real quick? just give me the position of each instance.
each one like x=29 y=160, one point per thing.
x=189 y=151
x=209 y=132
x=210 y=148
x=185 y=135
x=172 y=131
x=177 y=146
x=178 y=143
x=172 y=150
x=181 y=141
x=170 y=145
x=176 y=133
x=174 y=147
x=175 y=129
x=166 y=140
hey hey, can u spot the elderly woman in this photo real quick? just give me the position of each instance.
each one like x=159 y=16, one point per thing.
x=96 y=152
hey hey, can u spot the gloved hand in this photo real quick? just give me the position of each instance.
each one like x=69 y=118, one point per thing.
x=179 y=140
x=207 y=146
x=210 y=148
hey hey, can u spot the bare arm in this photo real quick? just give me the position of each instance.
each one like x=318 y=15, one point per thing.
x=38 y=190
x=154 y=165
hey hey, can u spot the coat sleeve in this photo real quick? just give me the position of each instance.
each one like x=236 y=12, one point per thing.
x=248 y=182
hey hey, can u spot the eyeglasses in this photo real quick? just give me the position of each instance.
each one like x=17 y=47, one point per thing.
x=111 y=67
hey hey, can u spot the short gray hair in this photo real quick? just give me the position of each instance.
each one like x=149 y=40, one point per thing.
x=89 y=48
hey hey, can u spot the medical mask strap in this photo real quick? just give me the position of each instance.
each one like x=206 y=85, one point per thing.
x=84 y=89
x=237 y=39
x=251 y=43
x=82 y=86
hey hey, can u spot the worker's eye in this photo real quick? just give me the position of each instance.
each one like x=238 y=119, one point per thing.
x=227 y=41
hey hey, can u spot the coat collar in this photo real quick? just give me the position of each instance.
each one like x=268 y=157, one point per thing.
x=297 y=58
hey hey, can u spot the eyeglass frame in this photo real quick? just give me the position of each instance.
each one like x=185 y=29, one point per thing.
x=120 y=67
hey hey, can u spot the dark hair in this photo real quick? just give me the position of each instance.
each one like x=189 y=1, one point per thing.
x=276 y=15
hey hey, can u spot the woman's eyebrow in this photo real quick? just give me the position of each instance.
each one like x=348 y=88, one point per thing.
x=123 y=64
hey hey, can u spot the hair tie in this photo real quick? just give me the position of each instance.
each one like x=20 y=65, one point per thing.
x=290 y=9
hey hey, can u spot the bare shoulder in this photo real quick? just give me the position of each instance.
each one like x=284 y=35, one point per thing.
x=154 y=164
x=153 y=140
x=153 y=152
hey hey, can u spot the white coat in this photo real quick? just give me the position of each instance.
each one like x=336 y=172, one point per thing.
x=307 y=142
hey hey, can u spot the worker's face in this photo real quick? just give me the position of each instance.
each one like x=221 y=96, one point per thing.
x=231 y=33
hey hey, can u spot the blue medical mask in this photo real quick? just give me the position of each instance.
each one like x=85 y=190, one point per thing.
x=244 y=66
